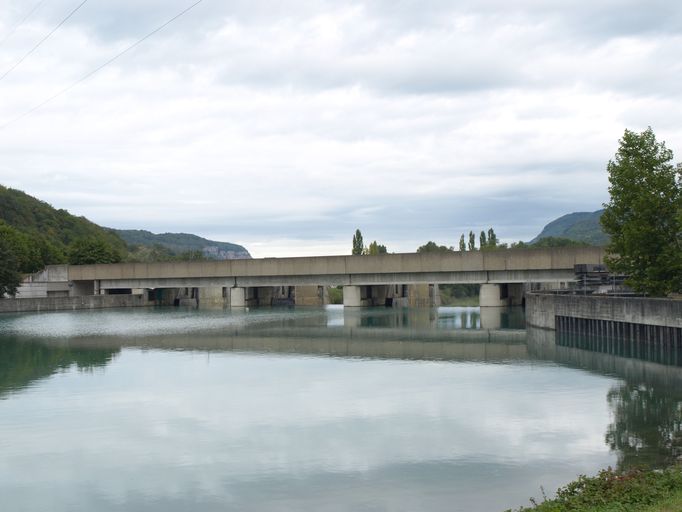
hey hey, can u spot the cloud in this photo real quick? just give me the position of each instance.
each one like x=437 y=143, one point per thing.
x=305 y=121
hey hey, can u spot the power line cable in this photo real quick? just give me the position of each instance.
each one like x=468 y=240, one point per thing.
x=101 y=66
x=21 y=22
x=42 y=40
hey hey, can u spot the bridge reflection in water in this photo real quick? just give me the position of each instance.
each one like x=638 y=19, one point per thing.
x=448 y=334
x=645 y=403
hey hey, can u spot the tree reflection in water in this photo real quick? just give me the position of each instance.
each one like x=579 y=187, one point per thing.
x=647 y=424
x=24 y=362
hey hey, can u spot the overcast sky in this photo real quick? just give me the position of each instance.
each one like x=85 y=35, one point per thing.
x=284 y=126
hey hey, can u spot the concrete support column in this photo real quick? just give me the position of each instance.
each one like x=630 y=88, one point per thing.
x=237 y=297
x=493 y=295
x=211 y=296
x=491 y=317
x=352 y=296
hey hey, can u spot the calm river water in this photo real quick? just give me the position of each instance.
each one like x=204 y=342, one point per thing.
x=313 y=410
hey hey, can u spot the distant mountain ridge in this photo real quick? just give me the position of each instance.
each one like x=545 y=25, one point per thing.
x=578 y=226
x=180 y=243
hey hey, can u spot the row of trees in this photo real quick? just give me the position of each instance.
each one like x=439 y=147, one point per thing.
x=485 y=241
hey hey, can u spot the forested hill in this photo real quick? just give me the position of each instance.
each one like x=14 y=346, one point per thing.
x=181 y=243
x=578 y=226
x=34 y=234
x=38 y=234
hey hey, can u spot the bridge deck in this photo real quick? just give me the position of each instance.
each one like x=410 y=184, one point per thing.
x=475 y=266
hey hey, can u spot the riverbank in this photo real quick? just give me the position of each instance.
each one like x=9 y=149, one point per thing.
x=612 y=491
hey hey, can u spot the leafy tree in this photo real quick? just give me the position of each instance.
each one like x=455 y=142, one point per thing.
x=643 y=215
x=433 y=247
x=482 y=240
x=87 y=251
x=358 y=244
x=375 y=249
x=472 y=241
x=9 y=269
x=462 y=244
x=492 y=238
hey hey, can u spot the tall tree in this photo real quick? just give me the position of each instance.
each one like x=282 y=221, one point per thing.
x=358 y=244
x=462 y=244
x=642 y=215
x=492 y=238
x=472 y=241
x=482 y=240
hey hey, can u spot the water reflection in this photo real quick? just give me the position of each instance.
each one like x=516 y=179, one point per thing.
x=382 y=333
x=313 y=410
x=23 y=361
x=646 y=403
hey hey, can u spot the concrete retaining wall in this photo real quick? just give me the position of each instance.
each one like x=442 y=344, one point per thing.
x=542 y=309
x=72 y=303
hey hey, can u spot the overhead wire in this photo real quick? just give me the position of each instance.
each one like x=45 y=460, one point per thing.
x=101 y=66
x=39 y=43
x=21 y=22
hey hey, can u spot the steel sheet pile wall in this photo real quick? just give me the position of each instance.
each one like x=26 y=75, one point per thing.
x=630 y=326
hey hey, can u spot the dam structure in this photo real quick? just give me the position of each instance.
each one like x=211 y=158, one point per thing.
x=403 y=280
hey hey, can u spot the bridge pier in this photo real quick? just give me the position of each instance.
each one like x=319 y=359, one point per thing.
x=237 y=297
x=501 y=295
x=352 y=297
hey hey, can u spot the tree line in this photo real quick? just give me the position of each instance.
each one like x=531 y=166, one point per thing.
x=487 y=241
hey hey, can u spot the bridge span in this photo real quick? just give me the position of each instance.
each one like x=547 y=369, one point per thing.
x=394 y=279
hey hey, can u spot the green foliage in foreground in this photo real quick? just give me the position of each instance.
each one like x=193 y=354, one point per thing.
x=612 y=491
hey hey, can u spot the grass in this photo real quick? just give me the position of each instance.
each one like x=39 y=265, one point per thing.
x=613 y=491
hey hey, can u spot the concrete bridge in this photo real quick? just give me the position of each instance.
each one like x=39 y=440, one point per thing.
x=387 y=279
